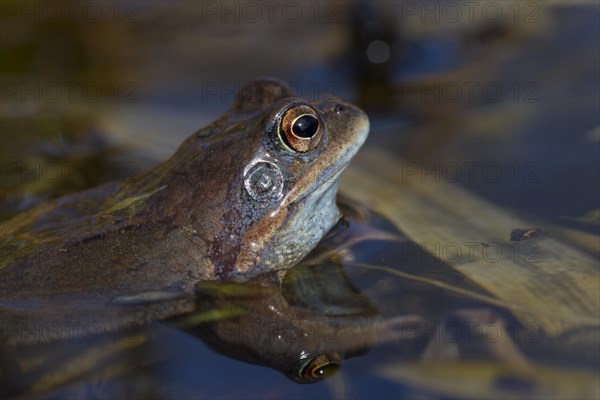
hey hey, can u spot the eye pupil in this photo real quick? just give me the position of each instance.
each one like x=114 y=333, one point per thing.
x=305 y=126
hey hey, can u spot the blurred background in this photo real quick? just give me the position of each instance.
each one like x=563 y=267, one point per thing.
x=510 y=89
x=499 y=98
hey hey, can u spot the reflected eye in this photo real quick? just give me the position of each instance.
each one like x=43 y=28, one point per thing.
x=321 y=367
x=301 y=128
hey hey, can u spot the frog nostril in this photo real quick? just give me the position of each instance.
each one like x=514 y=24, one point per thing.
x=340 y=108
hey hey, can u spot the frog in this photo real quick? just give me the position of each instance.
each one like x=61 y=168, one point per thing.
x=305 y=327
x=251 y=193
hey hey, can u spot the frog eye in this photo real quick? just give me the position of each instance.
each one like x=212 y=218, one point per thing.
x=301 y=128
x=320 y=367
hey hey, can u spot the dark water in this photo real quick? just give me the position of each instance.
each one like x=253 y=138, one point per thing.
x=147 y=74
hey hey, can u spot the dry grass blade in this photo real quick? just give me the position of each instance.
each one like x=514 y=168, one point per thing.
x=561 y=279
x=490 y=380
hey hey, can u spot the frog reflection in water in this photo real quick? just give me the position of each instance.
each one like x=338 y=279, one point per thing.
x=251 y=193
x=306 y=328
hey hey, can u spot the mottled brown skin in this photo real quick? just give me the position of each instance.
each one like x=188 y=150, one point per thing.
x=191 y=218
